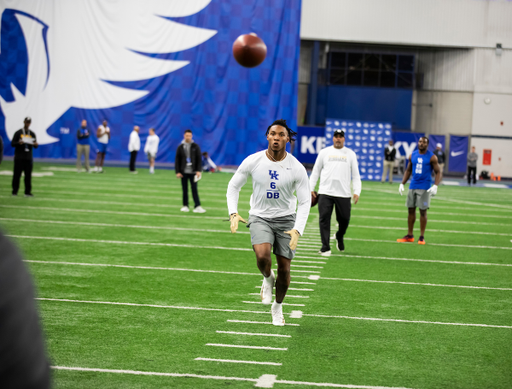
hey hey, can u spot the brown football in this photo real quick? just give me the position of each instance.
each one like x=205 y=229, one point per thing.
x=249 y=50
x=314 y=199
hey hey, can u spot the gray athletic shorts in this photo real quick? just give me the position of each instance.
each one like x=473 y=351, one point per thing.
x=272 y=231
x=418 y=198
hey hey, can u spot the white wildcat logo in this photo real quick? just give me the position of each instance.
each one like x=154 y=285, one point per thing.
x=76 y=47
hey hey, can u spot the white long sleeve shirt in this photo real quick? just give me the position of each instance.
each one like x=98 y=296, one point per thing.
x=273 y=185
x=336 y=168
x=152 y=144
x=104 y=131
x=134 y=143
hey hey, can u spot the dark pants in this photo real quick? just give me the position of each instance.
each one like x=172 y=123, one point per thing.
x=325 y=205
x=184 y=187
x=133 y=157
x=25 y=166
x=471 y=170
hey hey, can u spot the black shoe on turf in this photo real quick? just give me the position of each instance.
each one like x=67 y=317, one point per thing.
x=339 y=243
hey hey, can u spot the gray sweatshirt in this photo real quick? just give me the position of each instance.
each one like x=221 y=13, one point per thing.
x=472 y=158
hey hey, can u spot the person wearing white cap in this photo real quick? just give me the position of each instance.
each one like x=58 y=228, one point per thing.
x=439 y=153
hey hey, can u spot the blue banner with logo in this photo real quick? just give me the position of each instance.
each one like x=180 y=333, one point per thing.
x=457 y=161
x=156 y=63
x=406 y=143
x=310 y=140
x=366 y=139
x=434 y=140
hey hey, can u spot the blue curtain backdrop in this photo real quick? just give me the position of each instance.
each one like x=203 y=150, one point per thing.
x=457 y=160
x=228 y=107
x=433 y=140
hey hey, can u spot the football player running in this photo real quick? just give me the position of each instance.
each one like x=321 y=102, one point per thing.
x=421 y=164
x=274 y=221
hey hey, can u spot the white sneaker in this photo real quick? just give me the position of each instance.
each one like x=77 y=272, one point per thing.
x=184 y=209
x=277 y=314
x=266 y=289
x=325 y=253
x=199 y=209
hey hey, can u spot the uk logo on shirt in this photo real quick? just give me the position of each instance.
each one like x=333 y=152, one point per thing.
x=273 y=193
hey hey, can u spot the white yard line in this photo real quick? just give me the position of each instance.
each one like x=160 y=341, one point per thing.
x=416 y=260
x=430 y=212
x=431 y=230
x=263 y=380
x=251 y=347
x=287 y=296
x=260 y=322
x=259 y=302
x=402 y=219
x=253 y=334
x=266 y=313
x=234 y=361
x=296 y=289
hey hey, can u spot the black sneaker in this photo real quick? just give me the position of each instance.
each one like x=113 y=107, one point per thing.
x=339 y=244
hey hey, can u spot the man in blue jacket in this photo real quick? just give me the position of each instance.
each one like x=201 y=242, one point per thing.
x=82 y=147
x=420 y=166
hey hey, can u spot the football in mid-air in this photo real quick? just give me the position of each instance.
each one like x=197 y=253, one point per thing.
x=249 y=50
x=314 y=199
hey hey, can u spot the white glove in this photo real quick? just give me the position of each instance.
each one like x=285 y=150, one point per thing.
x=433 y=190
x=401 y=189
x=234 y=219
x=295 y=238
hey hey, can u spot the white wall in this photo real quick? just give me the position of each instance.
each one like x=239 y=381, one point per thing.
x=501 y=162
x=492 y=114
x=444 y=23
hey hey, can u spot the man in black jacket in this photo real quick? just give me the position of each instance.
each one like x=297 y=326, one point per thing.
x=188 y=167
x=389 y=162
x=23 y=141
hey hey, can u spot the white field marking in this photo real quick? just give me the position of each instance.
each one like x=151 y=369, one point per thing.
x=118 y=225
x=266 y=381
x=34 y=174
x=139 y=267
x=414 y=283
x=303 y=282
x=263 y=322
x=233 y=361
x=434 y=221
x=296 y=315
x=430 y=230
x=500 y=186
x=134 y=243
x=144 y=205
x=323 y=263
x=402 y=205
x=59 y=169
x=432 y=244
x=474 y=203
x=307 y=267
x=314 y=278
x=252 y=347
x=213 y=377
x=404 y=211
x=111 y=212
x=287 y=296
x=409 y=321
x=253 y=334
x=418 y=260
x=259 y=302
x=299 y=271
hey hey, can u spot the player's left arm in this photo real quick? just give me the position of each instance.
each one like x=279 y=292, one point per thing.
x=437 y=170
x=356 y=178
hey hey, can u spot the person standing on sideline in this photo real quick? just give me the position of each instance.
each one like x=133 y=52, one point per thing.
x=151 y=149
x=389 y=161
x=103 y=135
x=134 y=147
x=82 y=147
x=273 y=219
x=472 y=158
x=336 y=166
x=420 y=166
x=23 y=141
x=439 y=153
x=188 y=167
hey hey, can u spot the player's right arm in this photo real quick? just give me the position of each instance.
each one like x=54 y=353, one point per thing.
x=235 y=185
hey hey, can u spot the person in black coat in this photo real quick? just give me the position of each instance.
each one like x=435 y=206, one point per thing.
x=23 y=141
x=188 y=166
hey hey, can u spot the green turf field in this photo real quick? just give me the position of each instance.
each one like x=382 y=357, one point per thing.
x=134 y=293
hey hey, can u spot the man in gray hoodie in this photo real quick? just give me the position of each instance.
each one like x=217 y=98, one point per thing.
x=472 y=158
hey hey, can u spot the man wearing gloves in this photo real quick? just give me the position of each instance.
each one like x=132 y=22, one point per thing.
x=420 y=166
x=336 y=166
x=151 y=149
x=273 y=218
x=133 y=148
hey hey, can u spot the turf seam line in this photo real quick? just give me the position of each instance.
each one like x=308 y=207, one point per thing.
x=259 y=322
x=253 y=334
x=259 y=302
x=234 y=361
